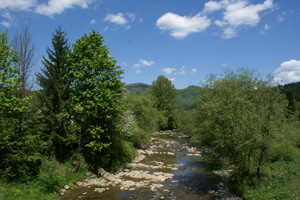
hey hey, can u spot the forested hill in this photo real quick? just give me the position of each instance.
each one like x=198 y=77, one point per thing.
x=137 y=89
x=294 y=87
x=188 y=96
x=185 y=97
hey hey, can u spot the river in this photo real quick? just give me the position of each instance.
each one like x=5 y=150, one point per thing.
x=170 y=167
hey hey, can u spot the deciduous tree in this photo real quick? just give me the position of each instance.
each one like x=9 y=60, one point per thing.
x=96 y=90
x=241 y=115
x=163 y=93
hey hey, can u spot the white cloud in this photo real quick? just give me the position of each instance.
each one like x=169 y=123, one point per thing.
x=142 y=63
x=136 y=65
x=146 y=63
x=241 y=13
x=194 y=70
x=138 y=71
x=17 y=4
x=237 y=13
x=5 y=23
x=172 y=79
x=7 y=15
x=229 y=33
x=182 y=26
x=267 y=27
x=279 y=18
x=168 y=70
x=223 y=64
x=93 y=21
x=54 y=7
x=212 y=6
x=288 y=71
x=131 y=16
x=116 y=18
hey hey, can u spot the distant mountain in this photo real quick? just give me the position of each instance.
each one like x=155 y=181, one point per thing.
x=137 y=89
x=294 y=87
x=185 y=97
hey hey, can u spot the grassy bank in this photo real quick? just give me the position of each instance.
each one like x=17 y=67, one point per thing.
x=52 y=177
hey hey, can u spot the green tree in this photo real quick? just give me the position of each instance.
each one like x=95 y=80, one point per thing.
x=146 y=119
x=291 y=108
x=55 y=93
x=163 y=94
x=241 y=115
x=20 y=143
x=97 y=100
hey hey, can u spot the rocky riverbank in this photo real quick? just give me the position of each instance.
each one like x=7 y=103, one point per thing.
x=156 y=172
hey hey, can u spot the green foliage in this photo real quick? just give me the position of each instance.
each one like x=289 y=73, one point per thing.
x=163 y=94
x=293 y=87
x=55 y=94
x=54 y=175
x=187 y=97
x=187 y=121
x=96 y=91
x=20 y=133
x=240 y=116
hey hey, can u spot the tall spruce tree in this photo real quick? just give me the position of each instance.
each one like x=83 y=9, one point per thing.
x=54 y=94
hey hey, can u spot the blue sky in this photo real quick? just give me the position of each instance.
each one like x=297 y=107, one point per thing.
x=183 y=40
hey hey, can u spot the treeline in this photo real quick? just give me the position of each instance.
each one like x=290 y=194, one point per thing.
x=79 y=120
x=245 y=119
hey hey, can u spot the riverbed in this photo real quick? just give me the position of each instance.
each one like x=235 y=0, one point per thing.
x=170 y=167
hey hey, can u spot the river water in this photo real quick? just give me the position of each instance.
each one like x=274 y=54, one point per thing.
x=169 y=168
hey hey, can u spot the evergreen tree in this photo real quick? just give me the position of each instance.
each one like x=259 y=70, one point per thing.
x=20 y=143
x=55 y=93
x=291 y=108
x=97 y=100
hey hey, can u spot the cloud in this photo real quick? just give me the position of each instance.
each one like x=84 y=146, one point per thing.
x=212 y=6
x=241 y=13
x=93 y=21
x=146 y=63
x=143 y=63
x=116 y=18
x=54 y=7
x=168 y=70
x=131 y=16
x=138 y=71
x=288 y=71
x=229 y=32
x=194 y=70
x=121 y=19
x=172 y=79
x=237 y=13
x=266 y=27
x=17 y=4
x=5 y=23
x=182 y=26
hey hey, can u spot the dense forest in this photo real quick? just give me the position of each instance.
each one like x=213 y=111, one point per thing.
x=80 y=118
x=185 y=98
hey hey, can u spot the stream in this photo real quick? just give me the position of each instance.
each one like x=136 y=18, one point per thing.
x=170 y=167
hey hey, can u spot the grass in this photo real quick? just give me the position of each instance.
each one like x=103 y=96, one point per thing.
x=280 y=179
x=52 y=177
